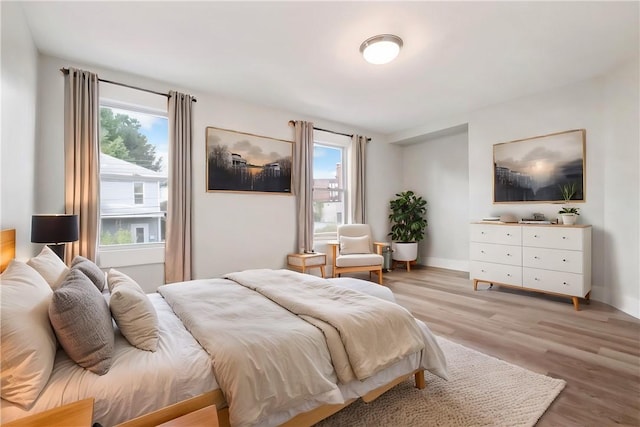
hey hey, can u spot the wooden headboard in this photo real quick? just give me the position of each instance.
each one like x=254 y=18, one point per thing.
x=7 y=247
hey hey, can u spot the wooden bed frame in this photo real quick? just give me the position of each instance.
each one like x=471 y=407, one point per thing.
x=7 y=247
x=215 y=397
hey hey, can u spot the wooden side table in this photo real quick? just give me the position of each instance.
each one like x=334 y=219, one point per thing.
x=303 y=262
x=78 y=414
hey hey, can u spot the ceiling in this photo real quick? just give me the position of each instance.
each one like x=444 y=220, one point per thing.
x=304 y=57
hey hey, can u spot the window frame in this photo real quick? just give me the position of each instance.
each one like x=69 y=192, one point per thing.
x=330 y=140
x=130 y=254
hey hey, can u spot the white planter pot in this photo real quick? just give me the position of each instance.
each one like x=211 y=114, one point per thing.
x=569 y=218
x=405 y=251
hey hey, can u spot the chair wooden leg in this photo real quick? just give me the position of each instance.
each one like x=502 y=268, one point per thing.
x=380 y=277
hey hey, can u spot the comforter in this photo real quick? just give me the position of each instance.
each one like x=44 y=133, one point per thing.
x=279 y=339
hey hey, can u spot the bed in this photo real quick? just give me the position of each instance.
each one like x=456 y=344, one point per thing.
x=185 y=363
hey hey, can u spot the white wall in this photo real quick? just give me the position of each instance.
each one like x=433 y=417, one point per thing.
x=232 y=231
x=611 y=150
x=438 y=170
x=622 y=176
x=19 y=91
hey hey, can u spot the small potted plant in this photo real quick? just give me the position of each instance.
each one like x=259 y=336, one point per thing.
x=408 y=224
x=569 y=214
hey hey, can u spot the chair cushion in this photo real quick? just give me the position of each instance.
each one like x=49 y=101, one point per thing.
x=355 y=245
x=359 y=260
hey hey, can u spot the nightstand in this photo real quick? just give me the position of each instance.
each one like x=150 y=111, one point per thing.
x=78 y=414
x=303 y=262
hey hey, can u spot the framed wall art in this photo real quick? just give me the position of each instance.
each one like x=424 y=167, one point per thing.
x=239 y=161
x=537 y=169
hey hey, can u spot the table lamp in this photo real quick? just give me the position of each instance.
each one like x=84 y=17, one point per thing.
x=55 y=231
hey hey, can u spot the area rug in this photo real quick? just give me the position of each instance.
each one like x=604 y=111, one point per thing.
x=481 y=391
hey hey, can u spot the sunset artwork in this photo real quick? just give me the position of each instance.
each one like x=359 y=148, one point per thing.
x=536 y=169
x=238 y=161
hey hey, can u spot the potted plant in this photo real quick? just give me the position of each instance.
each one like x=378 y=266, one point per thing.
x=408 y=224
x=569 y=214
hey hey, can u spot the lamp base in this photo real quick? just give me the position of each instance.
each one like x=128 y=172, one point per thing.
x=58 y=249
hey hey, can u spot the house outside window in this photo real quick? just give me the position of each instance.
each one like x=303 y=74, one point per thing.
x=133 y=176
x=329 y=187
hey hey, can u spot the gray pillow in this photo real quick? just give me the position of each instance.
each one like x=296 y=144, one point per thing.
x=82 y=322
x=91 y=270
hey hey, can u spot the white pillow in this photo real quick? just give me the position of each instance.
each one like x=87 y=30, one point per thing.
x=28 y=341
x=50 y=266
x=354 y=245
x=133 y=311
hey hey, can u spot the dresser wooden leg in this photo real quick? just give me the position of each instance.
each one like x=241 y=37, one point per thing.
x=475 y=284
x=576 y=303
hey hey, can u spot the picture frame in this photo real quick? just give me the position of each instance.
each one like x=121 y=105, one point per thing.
x=245 y=162
x=535 y=170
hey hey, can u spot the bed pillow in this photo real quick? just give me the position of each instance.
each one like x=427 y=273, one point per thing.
x=28 y=342
x=50 y=266
x=82 y=322
x=133 y=311
x=91 y=270
x=354 y=245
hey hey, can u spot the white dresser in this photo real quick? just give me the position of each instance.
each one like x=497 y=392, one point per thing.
x=554 y=259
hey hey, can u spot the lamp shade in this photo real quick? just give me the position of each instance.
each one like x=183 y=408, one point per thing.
x=54 y=228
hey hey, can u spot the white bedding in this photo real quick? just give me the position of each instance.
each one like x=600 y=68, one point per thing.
x=270 y=363
x=138 y=381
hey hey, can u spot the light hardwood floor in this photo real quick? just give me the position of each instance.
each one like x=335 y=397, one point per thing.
x=595 y=350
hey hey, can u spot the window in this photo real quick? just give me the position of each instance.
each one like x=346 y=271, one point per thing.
x=329 y=184
x=138 y=193
x=133 y=175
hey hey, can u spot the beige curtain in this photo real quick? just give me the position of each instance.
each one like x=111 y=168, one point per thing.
x=302 y=177
x=82 y=159
x=358 y=196
x=177 y=260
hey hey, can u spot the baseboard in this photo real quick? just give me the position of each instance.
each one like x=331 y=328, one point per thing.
x=449 y=264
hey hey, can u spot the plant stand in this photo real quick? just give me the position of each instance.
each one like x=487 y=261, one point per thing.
x=407 y=264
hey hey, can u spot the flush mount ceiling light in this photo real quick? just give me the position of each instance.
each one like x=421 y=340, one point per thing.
x=381 y=49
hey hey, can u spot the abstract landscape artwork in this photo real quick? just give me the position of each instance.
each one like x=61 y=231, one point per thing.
x=536 y=169
x=238 y=161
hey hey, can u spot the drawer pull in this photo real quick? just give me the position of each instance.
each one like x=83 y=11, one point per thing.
x=565 y=283
x=536 y=236
x=509 y=234
x=482 y=232
x=481 y=252
x=509 y=274
x=535 y=257
x=564 y=260
x=484 y=271
x=564 y=238
x=508 y=254
x=536 y=279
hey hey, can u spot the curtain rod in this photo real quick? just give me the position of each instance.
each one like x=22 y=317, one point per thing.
x=66 y=71
x=293 y=122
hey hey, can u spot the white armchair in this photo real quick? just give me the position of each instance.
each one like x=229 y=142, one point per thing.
x=354 y=251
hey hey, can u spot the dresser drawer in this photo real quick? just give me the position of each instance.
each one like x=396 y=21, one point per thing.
x=553 y=237
x=503 y=254
x=554 y=281
x=553 y=259
x=496 y=273
x=500 y=234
